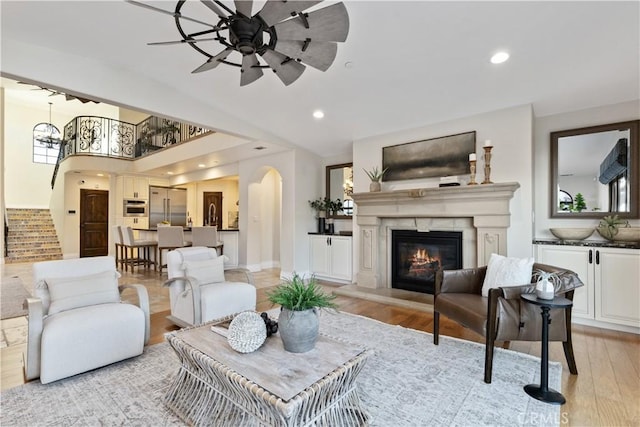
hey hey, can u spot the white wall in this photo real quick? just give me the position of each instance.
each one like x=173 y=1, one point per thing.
x=2 y=169
x=20 y=171
x=542 y=147
x=270 y=199
x=510 y=131
x=300 y=173
x=23 y=110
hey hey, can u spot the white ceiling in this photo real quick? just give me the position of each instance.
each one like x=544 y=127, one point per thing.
x=412 y=63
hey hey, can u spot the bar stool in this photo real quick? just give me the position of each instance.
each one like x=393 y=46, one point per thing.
x=117 y=240
x=140 y=248
x=169 y=238
x=207 y=237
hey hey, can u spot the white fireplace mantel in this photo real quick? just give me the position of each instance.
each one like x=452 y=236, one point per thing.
x=486 y=206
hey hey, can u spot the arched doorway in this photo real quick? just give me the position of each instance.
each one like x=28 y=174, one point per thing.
x=264 y=214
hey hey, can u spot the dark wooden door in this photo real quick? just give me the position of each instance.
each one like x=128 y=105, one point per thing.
x=212 y=208
x=94 y=223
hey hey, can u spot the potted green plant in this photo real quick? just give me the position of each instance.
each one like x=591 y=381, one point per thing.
x=333 y=207
x=579 y=204
x=320 y=206
x=545 y=281
x=375 y=175
x=298 y=322
x=608 y=226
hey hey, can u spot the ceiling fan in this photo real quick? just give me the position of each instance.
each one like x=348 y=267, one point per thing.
x=53 y=92
x=282 y=34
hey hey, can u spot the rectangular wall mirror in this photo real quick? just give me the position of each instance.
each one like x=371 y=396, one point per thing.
x=594 y=171
x=339 y=180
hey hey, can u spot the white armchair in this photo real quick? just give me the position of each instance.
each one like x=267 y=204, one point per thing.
x=77 y=322
x=200 y=289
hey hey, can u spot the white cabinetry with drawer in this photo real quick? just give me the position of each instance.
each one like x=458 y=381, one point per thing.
x=610 y=297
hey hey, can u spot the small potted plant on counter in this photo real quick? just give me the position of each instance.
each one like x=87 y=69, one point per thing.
x=375 y=175
x=333 y=206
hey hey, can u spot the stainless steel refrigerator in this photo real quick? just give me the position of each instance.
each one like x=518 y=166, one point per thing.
x=167 y=204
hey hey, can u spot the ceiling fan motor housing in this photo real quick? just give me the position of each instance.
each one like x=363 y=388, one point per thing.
x=246 y=34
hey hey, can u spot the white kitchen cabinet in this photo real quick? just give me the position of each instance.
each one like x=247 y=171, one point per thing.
x=135 y=187
x=330 y=257
x=611 y=295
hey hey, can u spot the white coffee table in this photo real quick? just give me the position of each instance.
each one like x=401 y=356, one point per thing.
x=219 y=386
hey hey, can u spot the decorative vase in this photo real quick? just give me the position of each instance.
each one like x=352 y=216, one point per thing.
x=330 y=226
x=322 y=215
x=545 y=290
x=374 y=186
x=298 y=329
x=321 y=225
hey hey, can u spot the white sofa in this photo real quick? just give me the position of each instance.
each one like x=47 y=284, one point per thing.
x=77 y=322
x=200 y=289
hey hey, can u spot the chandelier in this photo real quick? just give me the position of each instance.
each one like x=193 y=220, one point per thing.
x=48 y=135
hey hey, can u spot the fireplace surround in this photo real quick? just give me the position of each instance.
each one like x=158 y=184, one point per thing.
x=480 y=212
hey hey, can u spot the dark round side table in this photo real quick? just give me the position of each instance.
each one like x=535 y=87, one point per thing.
x=542 y=392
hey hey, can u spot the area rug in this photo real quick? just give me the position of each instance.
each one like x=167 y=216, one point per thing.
x=407 y=382
x=12 y=296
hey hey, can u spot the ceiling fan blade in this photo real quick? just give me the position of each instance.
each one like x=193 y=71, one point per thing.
x=330 y=24
x=319 y=55
x=275 y=11
x=214 y=61
x=250 y=71
x=215 y=8
x=157 y=9
x=181 y=41
x=244 y=7
x=287 y=71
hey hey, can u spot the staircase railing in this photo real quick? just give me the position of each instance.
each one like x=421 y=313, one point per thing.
x=101 y=136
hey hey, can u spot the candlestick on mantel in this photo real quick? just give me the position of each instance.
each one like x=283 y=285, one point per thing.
x=487 y=163
x=472 y=157
x=487 y=143
x=472 y=168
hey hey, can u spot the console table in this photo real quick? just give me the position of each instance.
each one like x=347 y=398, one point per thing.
x=542 y=392
x=270 y=386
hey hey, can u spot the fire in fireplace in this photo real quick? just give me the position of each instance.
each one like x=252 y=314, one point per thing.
x=416 y=257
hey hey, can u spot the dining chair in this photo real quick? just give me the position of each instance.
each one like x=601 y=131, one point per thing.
x=137 y=251
x=169 y=238
x=117 y=240
x=207 y=237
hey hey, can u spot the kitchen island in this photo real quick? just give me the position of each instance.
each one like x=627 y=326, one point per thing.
x=228 y=236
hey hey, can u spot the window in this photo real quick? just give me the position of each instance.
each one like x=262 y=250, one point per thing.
x=43 y=151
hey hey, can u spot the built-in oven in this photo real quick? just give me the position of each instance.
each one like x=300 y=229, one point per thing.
x=135 y=207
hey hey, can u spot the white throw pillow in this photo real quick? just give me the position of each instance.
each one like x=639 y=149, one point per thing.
x=505 y=272
x=207 y=271
x=67 y=293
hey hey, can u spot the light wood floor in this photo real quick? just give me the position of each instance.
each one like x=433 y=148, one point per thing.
x=605 y=393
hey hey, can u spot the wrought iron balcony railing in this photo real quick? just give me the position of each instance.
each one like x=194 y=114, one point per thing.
x=100 y=136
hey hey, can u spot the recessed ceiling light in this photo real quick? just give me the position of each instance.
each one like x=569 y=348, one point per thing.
x=499 y=58
x=202 y=165
x=318 y=114
x=169 y=173
x=100 y=174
